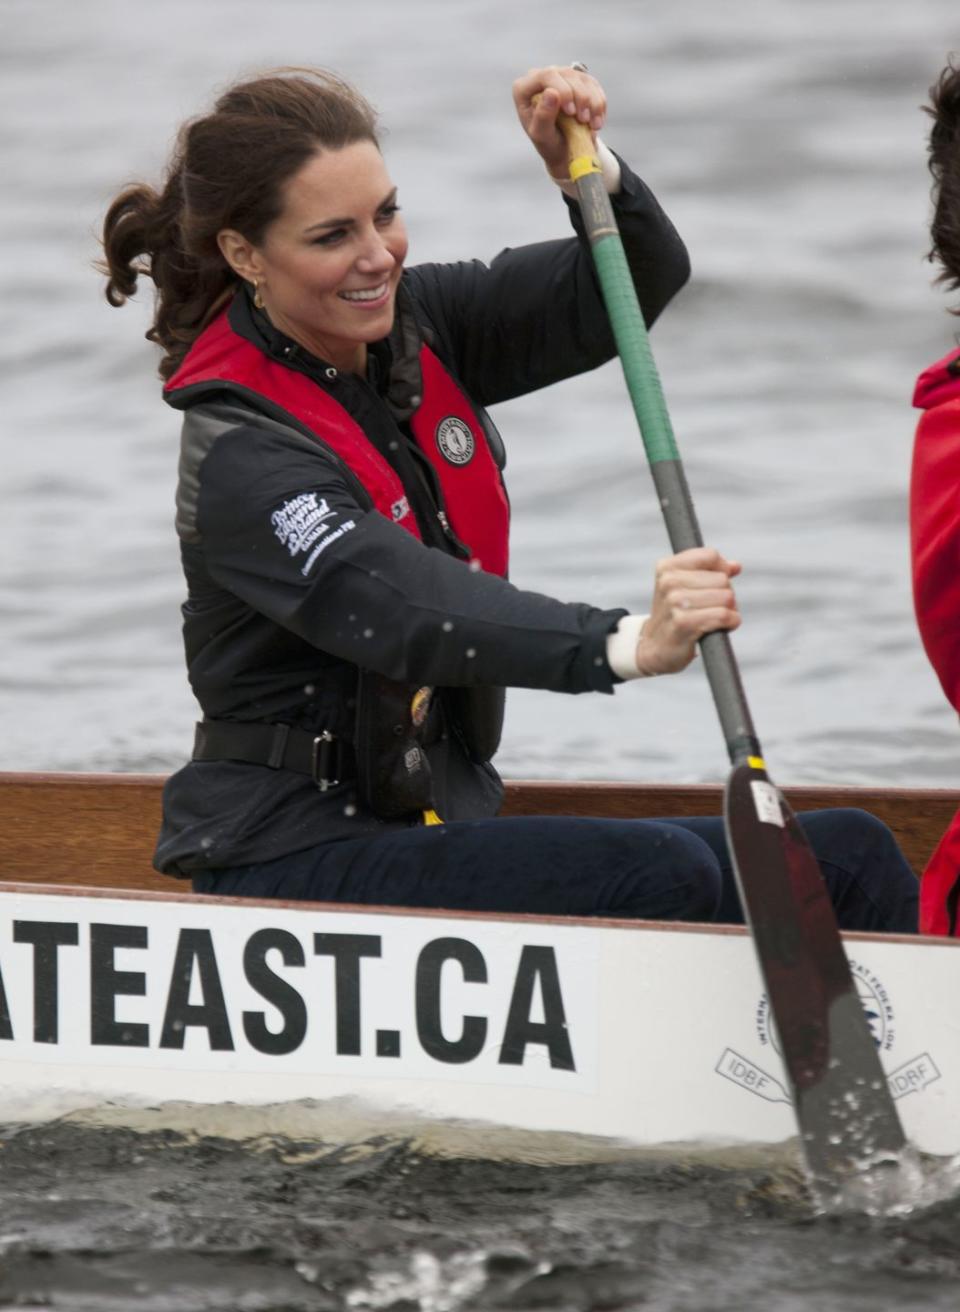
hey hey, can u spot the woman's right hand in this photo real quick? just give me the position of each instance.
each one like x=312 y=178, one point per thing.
x=692 y=596
x=542 y=94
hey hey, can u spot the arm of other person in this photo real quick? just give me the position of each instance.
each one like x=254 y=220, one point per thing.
x=935 y=541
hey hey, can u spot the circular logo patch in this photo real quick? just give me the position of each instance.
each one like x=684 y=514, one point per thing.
x=455 y=440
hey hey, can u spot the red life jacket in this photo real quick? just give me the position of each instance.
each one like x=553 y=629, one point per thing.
x=935 y=551
x=444 y=426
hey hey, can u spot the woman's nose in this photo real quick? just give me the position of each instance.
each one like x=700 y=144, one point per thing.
x=376 y=256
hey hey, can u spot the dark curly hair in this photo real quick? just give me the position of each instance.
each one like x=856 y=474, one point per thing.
x=228 y=170
x=944 y=162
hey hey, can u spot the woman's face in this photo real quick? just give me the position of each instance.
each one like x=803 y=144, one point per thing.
x=329 y=266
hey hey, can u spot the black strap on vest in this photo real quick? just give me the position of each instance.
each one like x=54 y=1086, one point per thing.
x=328 y=760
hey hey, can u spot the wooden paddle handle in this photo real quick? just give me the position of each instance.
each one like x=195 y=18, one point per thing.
x=578 y=136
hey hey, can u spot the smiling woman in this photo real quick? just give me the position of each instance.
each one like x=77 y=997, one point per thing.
x=343 y=521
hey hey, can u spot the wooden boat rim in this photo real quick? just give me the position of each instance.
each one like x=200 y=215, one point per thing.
x=82 y=779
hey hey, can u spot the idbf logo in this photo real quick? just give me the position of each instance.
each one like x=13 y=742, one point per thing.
x=911 y=1076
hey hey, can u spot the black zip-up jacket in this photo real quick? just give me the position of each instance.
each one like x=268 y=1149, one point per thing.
x=264 y=642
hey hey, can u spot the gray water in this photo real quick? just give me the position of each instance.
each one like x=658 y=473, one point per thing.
x=163 y=1222
x=785 y=139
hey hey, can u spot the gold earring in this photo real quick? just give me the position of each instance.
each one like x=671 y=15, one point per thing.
x=257 y=298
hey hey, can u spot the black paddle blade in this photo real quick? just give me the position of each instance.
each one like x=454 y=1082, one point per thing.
x=845 y=1111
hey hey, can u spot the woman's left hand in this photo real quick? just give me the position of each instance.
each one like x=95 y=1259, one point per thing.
x=561 y=90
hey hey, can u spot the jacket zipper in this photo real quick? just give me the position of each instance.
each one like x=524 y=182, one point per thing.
x=461 y=547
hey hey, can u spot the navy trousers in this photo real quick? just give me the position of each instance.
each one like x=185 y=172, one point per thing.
x=563 y=865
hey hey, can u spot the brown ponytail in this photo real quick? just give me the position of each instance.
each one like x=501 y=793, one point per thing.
x=944 y=161
x=228 y=170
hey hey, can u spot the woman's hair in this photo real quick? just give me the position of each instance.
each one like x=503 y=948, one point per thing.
x=944 y=161
x=228 y=170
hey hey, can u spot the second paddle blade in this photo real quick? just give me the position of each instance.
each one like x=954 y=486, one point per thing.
x=846 y=1113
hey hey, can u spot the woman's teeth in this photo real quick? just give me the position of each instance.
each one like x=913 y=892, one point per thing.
x=370 y=294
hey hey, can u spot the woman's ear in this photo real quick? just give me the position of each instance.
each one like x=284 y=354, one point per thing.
x=239 y=254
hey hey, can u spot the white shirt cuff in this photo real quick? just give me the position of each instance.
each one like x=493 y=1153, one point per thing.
x=622 y=646
x=610 y=168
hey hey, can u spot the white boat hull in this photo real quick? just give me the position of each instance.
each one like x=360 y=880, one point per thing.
x=635 y=1032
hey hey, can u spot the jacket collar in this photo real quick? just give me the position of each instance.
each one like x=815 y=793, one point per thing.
x=393 y=363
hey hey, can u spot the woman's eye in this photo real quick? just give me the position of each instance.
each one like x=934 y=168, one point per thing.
x=336 y=235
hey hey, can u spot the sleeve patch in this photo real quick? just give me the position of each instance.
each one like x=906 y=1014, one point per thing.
x=306 y=524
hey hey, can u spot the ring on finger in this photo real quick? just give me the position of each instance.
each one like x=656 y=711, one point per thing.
x=580 y=66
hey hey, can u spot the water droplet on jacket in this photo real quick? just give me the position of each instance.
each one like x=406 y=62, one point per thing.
x=349 y=809
x=447 y=626
x=368 y=633
x=471 y=652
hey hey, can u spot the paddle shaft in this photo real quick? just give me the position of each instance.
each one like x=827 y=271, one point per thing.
x=656 y=430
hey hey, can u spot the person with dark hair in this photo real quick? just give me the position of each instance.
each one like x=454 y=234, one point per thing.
x=934 y=484
x=343 y=520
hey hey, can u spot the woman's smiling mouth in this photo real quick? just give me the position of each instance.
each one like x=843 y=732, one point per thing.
x=366 y=295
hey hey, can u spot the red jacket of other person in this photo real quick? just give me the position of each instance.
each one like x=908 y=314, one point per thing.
x=935 y=551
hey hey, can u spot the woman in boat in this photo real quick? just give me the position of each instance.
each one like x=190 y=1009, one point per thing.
x=934 y=510
x=343 y=521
